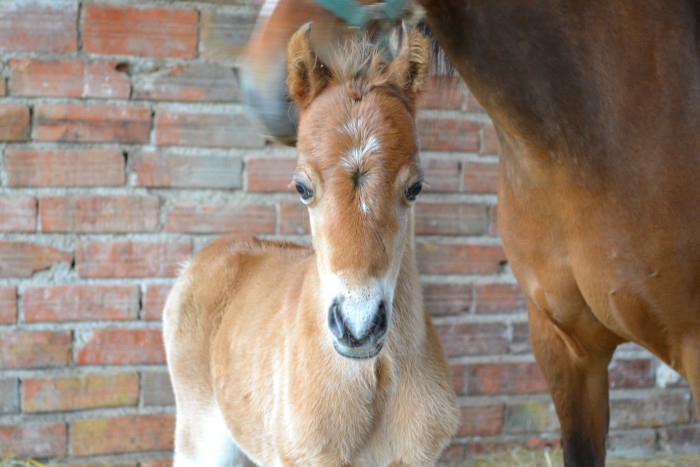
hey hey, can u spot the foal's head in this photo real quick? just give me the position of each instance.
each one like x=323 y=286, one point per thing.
x=358 y=173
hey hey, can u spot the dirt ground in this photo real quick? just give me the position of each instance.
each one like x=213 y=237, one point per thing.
x=525 y=458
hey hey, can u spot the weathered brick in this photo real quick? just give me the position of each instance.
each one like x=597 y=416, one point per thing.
x=68 y=78
x=9 y=396
x=81 y=303
x=34 y=349
x=480 y=177
x=155 y=32
x=3 y=87
x=481 y=420
x=120 y=347
x=448 y=134
x=443 y=92
x=647 y=411
x=442 y=175
x=680 y=437
x=505 y=378
x=520 y=340
x=33 y=439
x=473 y=104
x=208 y=129
x=270 y=175
x=473 y=338
x=224 y=35
x=458 y=382
x=499 y=298
x=221 y=218
x=8 y=305
x=119 y=214
x=530 y=417
x=17 y=213
x=154 y=300
x=209 y=82
x=294 y=218
x=130 y=258
x=80 y=392
x=22 y=259
x=39 y=26
x=642 y=442
x=156 y=169
x=636 y=373
x=489 y=139
x=156 y=389
x=118 y=435
x=40 y=168
x=450 y=219
x=14 y=122
x=447 y=258
x=453 y=454
x=77 y=123
x=447 y=299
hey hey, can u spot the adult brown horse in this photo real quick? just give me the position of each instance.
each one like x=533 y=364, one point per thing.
x=597 y=109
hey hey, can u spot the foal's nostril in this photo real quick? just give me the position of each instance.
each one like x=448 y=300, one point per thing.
x=335 y=320
x=379 y=323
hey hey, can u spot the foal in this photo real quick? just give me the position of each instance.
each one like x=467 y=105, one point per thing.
x=289 y=356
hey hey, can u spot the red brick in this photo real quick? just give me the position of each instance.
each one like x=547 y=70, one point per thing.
x=448 y=134
x=294 y=218
x=2 y=80
x=520 y=340
x=481 y=420
x=116 y=214
x=473 y=104
x=209 y=82
x=451 y=219
x=118 y=435
x=74 y=123
x=184 y=171
x=8 y=305
x=505 y=378
x=530 y=416
x=81 y=303
x=480 y=177
x=448 y=299
x=208 y=129
x=120 y=347
x=270 y=175
x=154 y=300
x=489 y=139
x=221 y=218
x=447 y=258
x=22 y=259
x=644 y=411
x=79 y=392
x=473 y=338
x=33 y=439
x=442 y=175
x=130 y=258
x=635 y=373
x=39 y=168
x=68 y=78
x=499 y=298
x=224 y=35
x=40 y=349
x=39 y=26
x=453 y=454
x=156 y=32
x=14 y=122
x=17 y=213
x=443 y=92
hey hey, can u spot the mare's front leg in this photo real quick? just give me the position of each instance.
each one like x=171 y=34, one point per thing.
x=576 y=372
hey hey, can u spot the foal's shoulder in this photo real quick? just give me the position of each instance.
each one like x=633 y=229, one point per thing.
x=232 y=250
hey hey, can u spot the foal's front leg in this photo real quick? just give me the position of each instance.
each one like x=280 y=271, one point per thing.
x=577 y=375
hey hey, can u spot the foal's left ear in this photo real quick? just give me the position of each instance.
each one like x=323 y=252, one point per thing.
x=306 y=75
x=410 y=66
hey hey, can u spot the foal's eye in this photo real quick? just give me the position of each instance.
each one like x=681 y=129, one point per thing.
x=413 y=191
x=304 y=192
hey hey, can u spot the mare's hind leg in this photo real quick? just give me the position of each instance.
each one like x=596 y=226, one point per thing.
x=577 y=376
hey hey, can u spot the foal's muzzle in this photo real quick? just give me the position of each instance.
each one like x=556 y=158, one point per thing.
x=365 y=342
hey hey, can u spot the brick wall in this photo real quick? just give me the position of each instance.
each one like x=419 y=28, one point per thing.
x=124 y=149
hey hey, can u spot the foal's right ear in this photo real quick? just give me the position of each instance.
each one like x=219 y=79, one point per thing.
x=306 y=75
